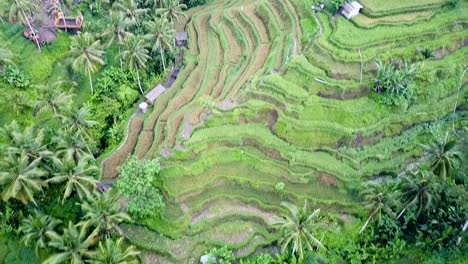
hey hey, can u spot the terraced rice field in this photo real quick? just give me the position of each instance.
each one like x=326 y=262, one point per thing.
x=269 y=95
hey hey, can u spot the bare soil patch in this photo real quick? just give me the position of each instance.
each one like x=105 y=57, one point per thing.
x=328 y=179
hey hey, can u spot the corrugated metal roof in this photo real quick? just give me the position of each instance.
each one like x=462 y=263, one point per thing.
x=152 y=95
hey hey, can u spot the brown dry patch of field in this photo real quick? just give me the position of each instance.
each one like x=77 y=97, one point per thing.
x=235 y=50
x=110 y=165
x=328 y=179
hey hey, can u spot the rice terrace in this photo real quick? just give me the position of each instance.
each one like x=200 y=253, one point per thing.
x=233 y=131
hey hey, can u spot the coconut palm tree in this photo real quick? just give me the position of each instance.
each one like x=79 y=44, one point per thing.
x=136 y=55
x=116 y=31
x=160 y=37
x=298 y=227
x=131 y=10
x=70 y=145
x=34 y=229
x=77 y=120
x=87 y=53
x=16 y=101
x=20 y=178
x=31 y=142
x=6 y=57
x=441 y=154
x=154 y=3
x=103 y=211
x=73 y=246
x=21 y=10
x=113 y=252
x=378 y=198
x=78 y=177
x=52 y=99
x=418 y=191
x=172 y=9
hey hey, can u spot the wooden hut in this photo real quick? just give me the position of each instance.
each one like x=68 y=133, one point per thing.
x=73 y=23
x=351 y=9
x=181 y=38
x=154 y=93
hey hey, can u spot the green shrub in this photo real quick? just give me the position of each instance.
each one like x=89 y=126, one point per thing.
x=221 y=255
x=14 y=76
x=136 y=183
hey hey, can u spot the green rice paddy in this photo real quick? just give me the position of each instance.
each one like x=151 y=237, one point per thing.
x=267 y=95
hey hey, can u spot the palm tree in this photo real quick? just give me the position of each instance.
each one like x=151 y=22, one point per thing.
x=103 y=211
x=116 y=31
x=20 y=178
x=73 y=246
x=34 y=229
x=298 y=227
x=20 y=9
x=112 y=252
x=30 y=142
x=70 y=145
x=172 y=10
x=131 y=10
x=6 y=56
x=76 y=120
x=78 y=177
x=417 y=190
x=16 y=101
x=87 y=53
x=161 y=36
x=136 y=55
x=441 y=154
x=52 y=99
x=378 y=199
x=154 y=3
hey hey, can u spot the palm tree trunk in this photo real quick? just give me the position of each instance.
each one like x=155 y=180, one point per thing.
x=90 y=81
x=139 y=83
x=465 y=226
x=368 y=221
x=401 y=213
x=161 y=50
x=120 y=58
x=31 y=28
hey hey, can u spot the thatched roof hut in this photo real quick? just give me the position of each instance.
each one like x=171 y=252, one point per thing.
x=181 y=38
x=351 y=9
x=154 y=93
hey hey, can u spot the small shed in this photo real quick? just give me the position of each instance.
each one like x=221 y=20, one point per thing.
x=351 y=9
x=181 y=38
x=152 y=95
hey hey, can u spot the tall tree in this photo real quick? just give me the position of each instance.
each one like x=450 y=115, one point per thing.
x=131 y=10
x=73 y=245
x=153 y=4
x=116 y=31
x=88 y=53
x=378 y=198
x=70 y=145
x=52 y=100
x=34 y=229
x=30 y=141
x=298 y=227
x=103 y=211
x=442 y=154
x=78 y=177
x=77 y=120
x=172 y=9
x=417 y=190
x=113 y=252
x=136 y=55
x=20 y=178
x=22 y=10
x=160 y=37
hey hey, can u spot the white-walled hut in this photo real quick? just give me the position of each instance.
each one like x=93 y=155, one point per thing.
x=181 y=38
x=351 y=9
x=154 y=93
